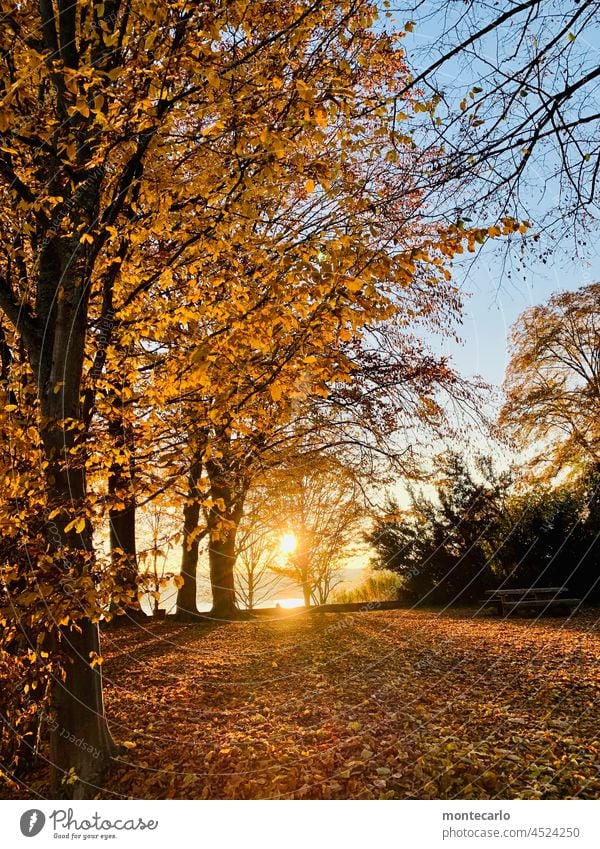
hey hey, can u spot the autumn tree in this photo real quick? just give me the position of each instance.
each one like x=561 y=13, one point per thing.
x=552 y=383
x=258 y=550
x=156 y=162
x=317 y=505
x=156 y=575
x=241 y=373
x=95 y=99
x=396 y=393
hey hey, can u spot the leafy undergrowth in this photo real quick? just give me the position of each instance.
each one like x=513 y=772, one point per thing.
x=391 y=704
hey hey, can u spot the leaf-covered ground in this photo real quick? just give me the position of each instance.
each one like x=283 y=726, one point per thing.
x=393 y=704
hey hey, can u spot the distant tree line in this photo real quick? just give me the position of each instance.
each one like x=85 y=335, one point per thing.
x=478 y=531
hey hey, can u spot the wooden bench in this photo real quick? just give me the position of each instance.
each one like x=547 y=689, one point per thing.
x=533 y=598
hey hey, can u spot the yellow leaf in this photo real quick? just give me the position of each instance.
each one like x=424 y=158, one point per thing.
x=213 y=129
x=110 y=39
x=80 y=525
x=309 y=186
x=320 y=117
x=305 y=91
x=81 y=107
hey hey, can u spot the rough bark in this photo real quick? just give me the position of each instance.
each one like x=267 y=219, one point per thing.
x=80 y=742
x=186 y=595
x=228 y=490
x=81 y=746
x=221 y=555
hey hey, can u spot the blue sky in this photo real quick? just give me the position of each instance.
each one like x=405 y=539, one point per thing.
x=493 y=298
x=493 y=301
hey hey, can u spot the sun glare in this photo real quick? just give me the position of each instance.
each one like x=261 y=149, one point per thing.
x=290 y=603
x=288 y=544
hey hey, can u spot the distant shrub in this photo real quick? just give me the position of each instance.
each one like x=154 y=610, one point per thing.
x=377 y=586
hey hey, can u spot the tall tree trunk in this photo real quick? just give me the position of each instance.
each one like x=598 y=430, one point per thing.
x=80 y=742
x=306 y=593
x=251 y=589
x=303 y=572
x=221 y=555
x=186 y=595
x=122 y=519
x=227 y=491
x=81 y=746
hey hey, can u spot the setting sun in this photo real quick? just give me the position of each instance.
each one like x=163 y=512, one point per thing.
x=288 y=543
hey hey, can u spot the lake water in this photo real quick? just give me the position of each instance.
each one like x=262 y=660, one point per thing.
x=286 y=593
